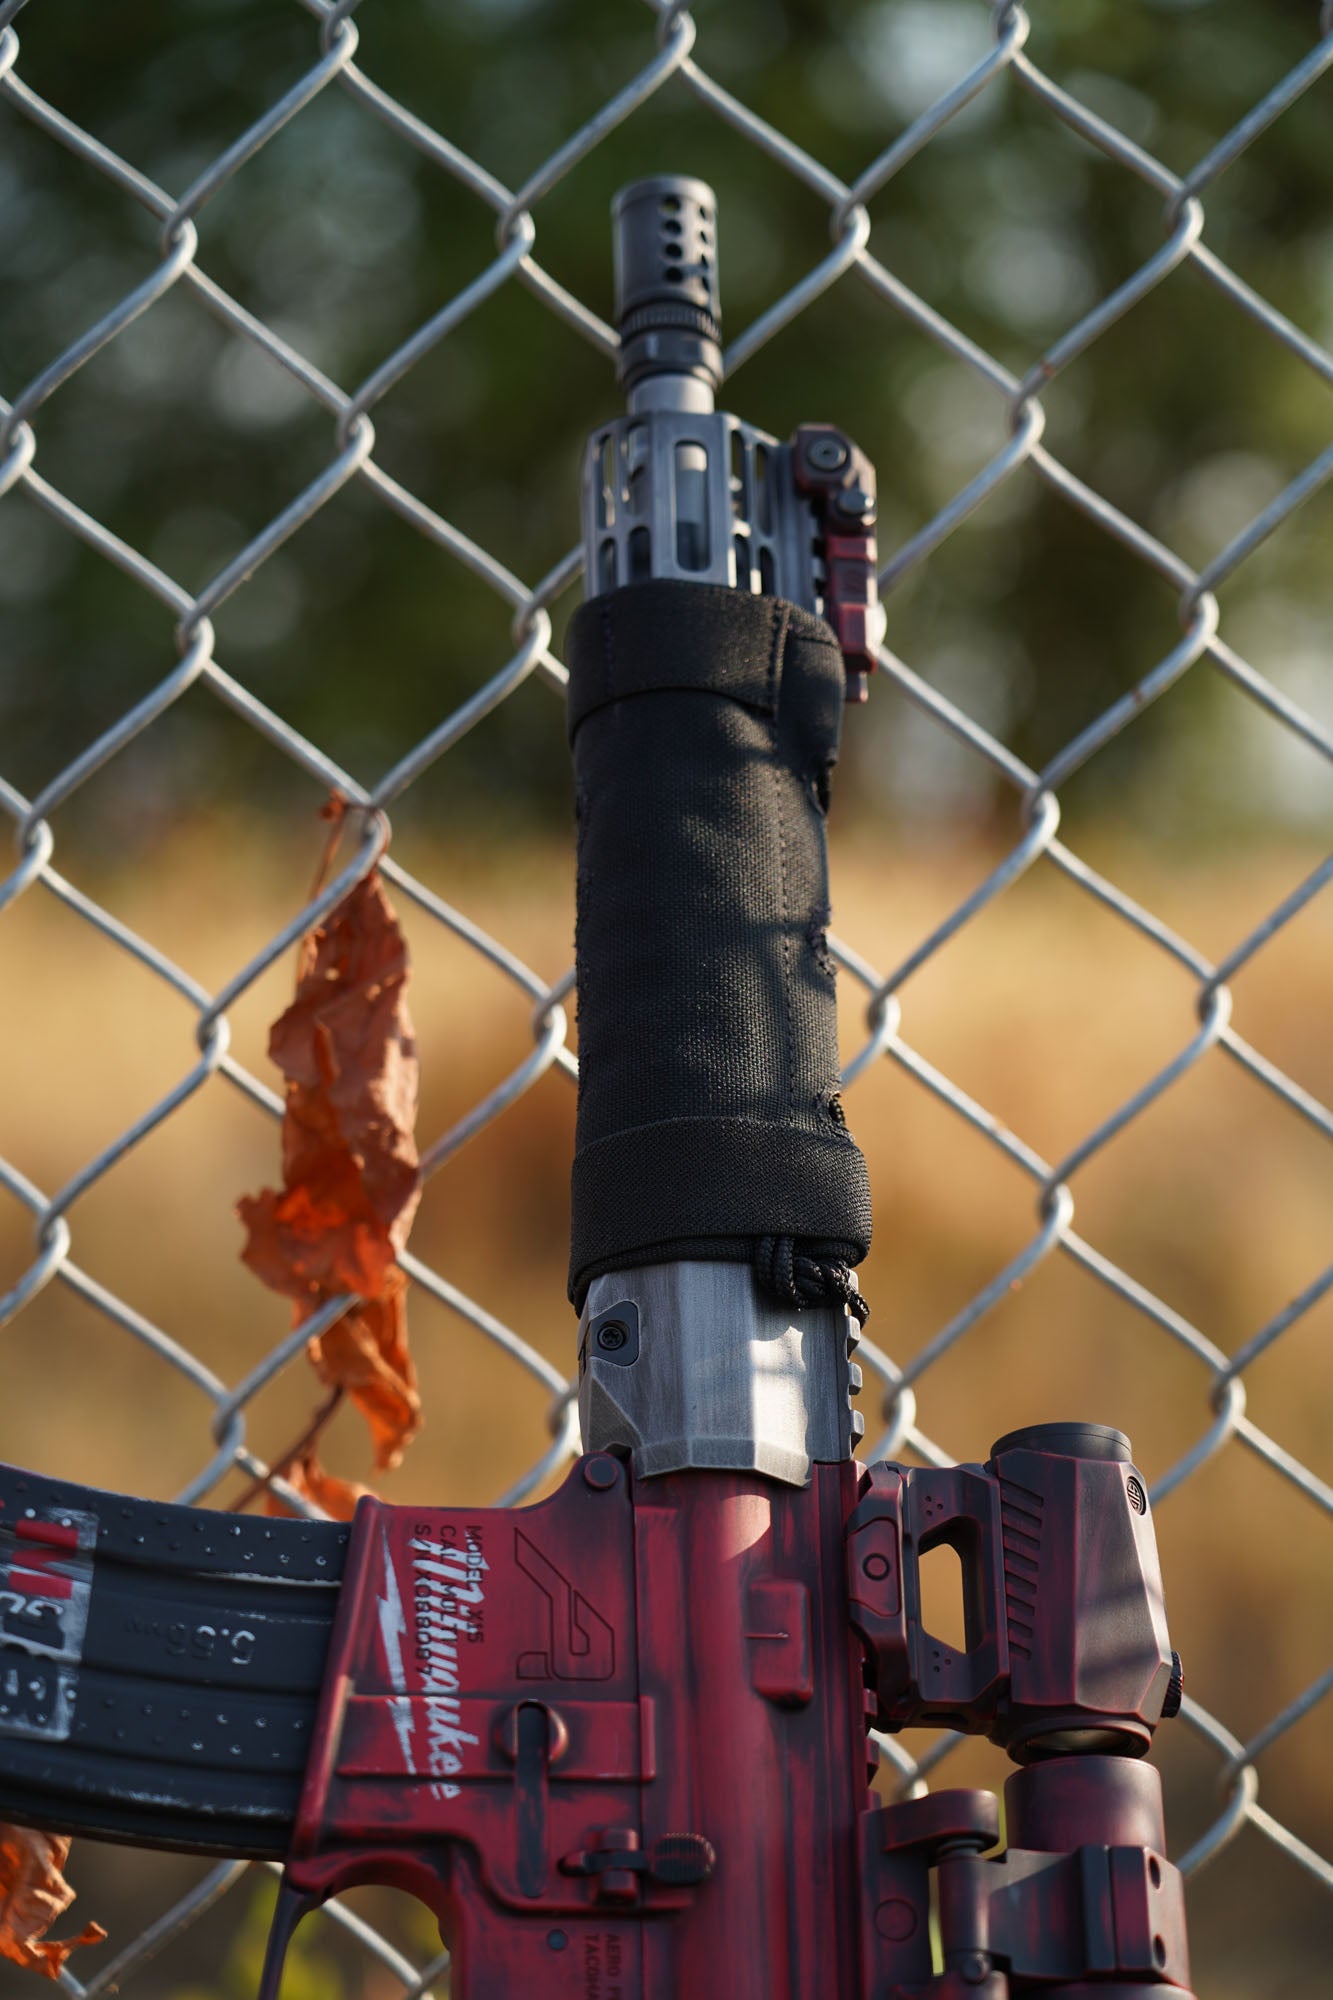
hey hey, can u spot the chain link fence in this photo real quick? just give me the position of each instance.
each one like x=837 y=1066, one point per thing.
x=669 y=65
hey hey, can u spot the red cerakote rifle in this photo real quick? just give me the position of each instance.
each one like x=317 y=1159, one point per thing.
x=618 y=1741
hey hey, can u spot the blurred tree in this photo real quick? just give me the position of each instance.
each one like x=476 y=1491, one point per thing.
x=186 y=440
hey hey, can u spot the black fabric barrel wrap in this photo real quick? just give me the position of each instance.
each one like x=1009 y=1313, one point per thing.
x=704 y=724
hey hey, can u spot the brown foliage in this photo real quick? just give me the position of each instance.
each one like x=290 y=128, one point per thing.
x=337 y=1497
x=350 y=1174
x=33 y=1893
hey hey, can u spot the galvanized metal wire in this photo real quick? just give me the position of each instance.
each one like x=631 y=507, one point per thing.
x=672 y=55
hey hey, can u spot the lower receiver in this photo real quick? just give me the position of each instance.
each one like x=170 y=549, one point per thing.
x=617 y=1741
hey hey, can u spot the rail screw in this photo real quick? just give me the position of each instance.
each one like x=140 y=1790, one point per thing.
x=828 y=454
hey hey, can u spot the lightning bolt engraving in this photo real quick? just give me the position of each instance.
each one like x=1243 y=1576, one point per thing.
x=393 y=1629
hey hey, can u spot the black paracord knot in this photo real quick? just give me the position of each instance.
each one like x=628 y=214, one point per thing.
x=797 y=1275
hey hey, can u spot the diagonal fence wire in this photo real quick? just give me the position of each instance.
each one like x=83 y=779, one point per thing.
x=671 y=57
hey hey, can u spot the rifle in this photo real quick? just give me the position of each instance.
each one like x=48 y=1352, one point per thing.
x=617 y=1741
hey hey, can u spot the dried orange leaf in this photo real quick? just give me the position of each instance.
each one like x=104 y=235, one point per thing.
x=348 y=1052
x=338 y=1497
x=312 y=1243
x=33 y=1893
x=351 y=1180
x=366 y=1353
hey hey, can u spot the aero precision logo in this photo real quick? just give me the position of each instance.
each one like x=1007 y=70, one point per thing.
x=393 y=1630
x=447 y=1598
x=581 y=1646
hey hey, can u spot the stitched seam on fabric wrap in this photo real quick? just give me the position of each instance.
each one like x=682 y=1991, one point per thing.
x=608 y=689
x=776 y=650
x=836 y=1140
x=789 y=1026
x=667 y=624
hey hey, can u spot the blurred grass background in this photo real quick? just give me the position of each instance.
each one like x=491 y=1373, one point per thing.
x=200 y=836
